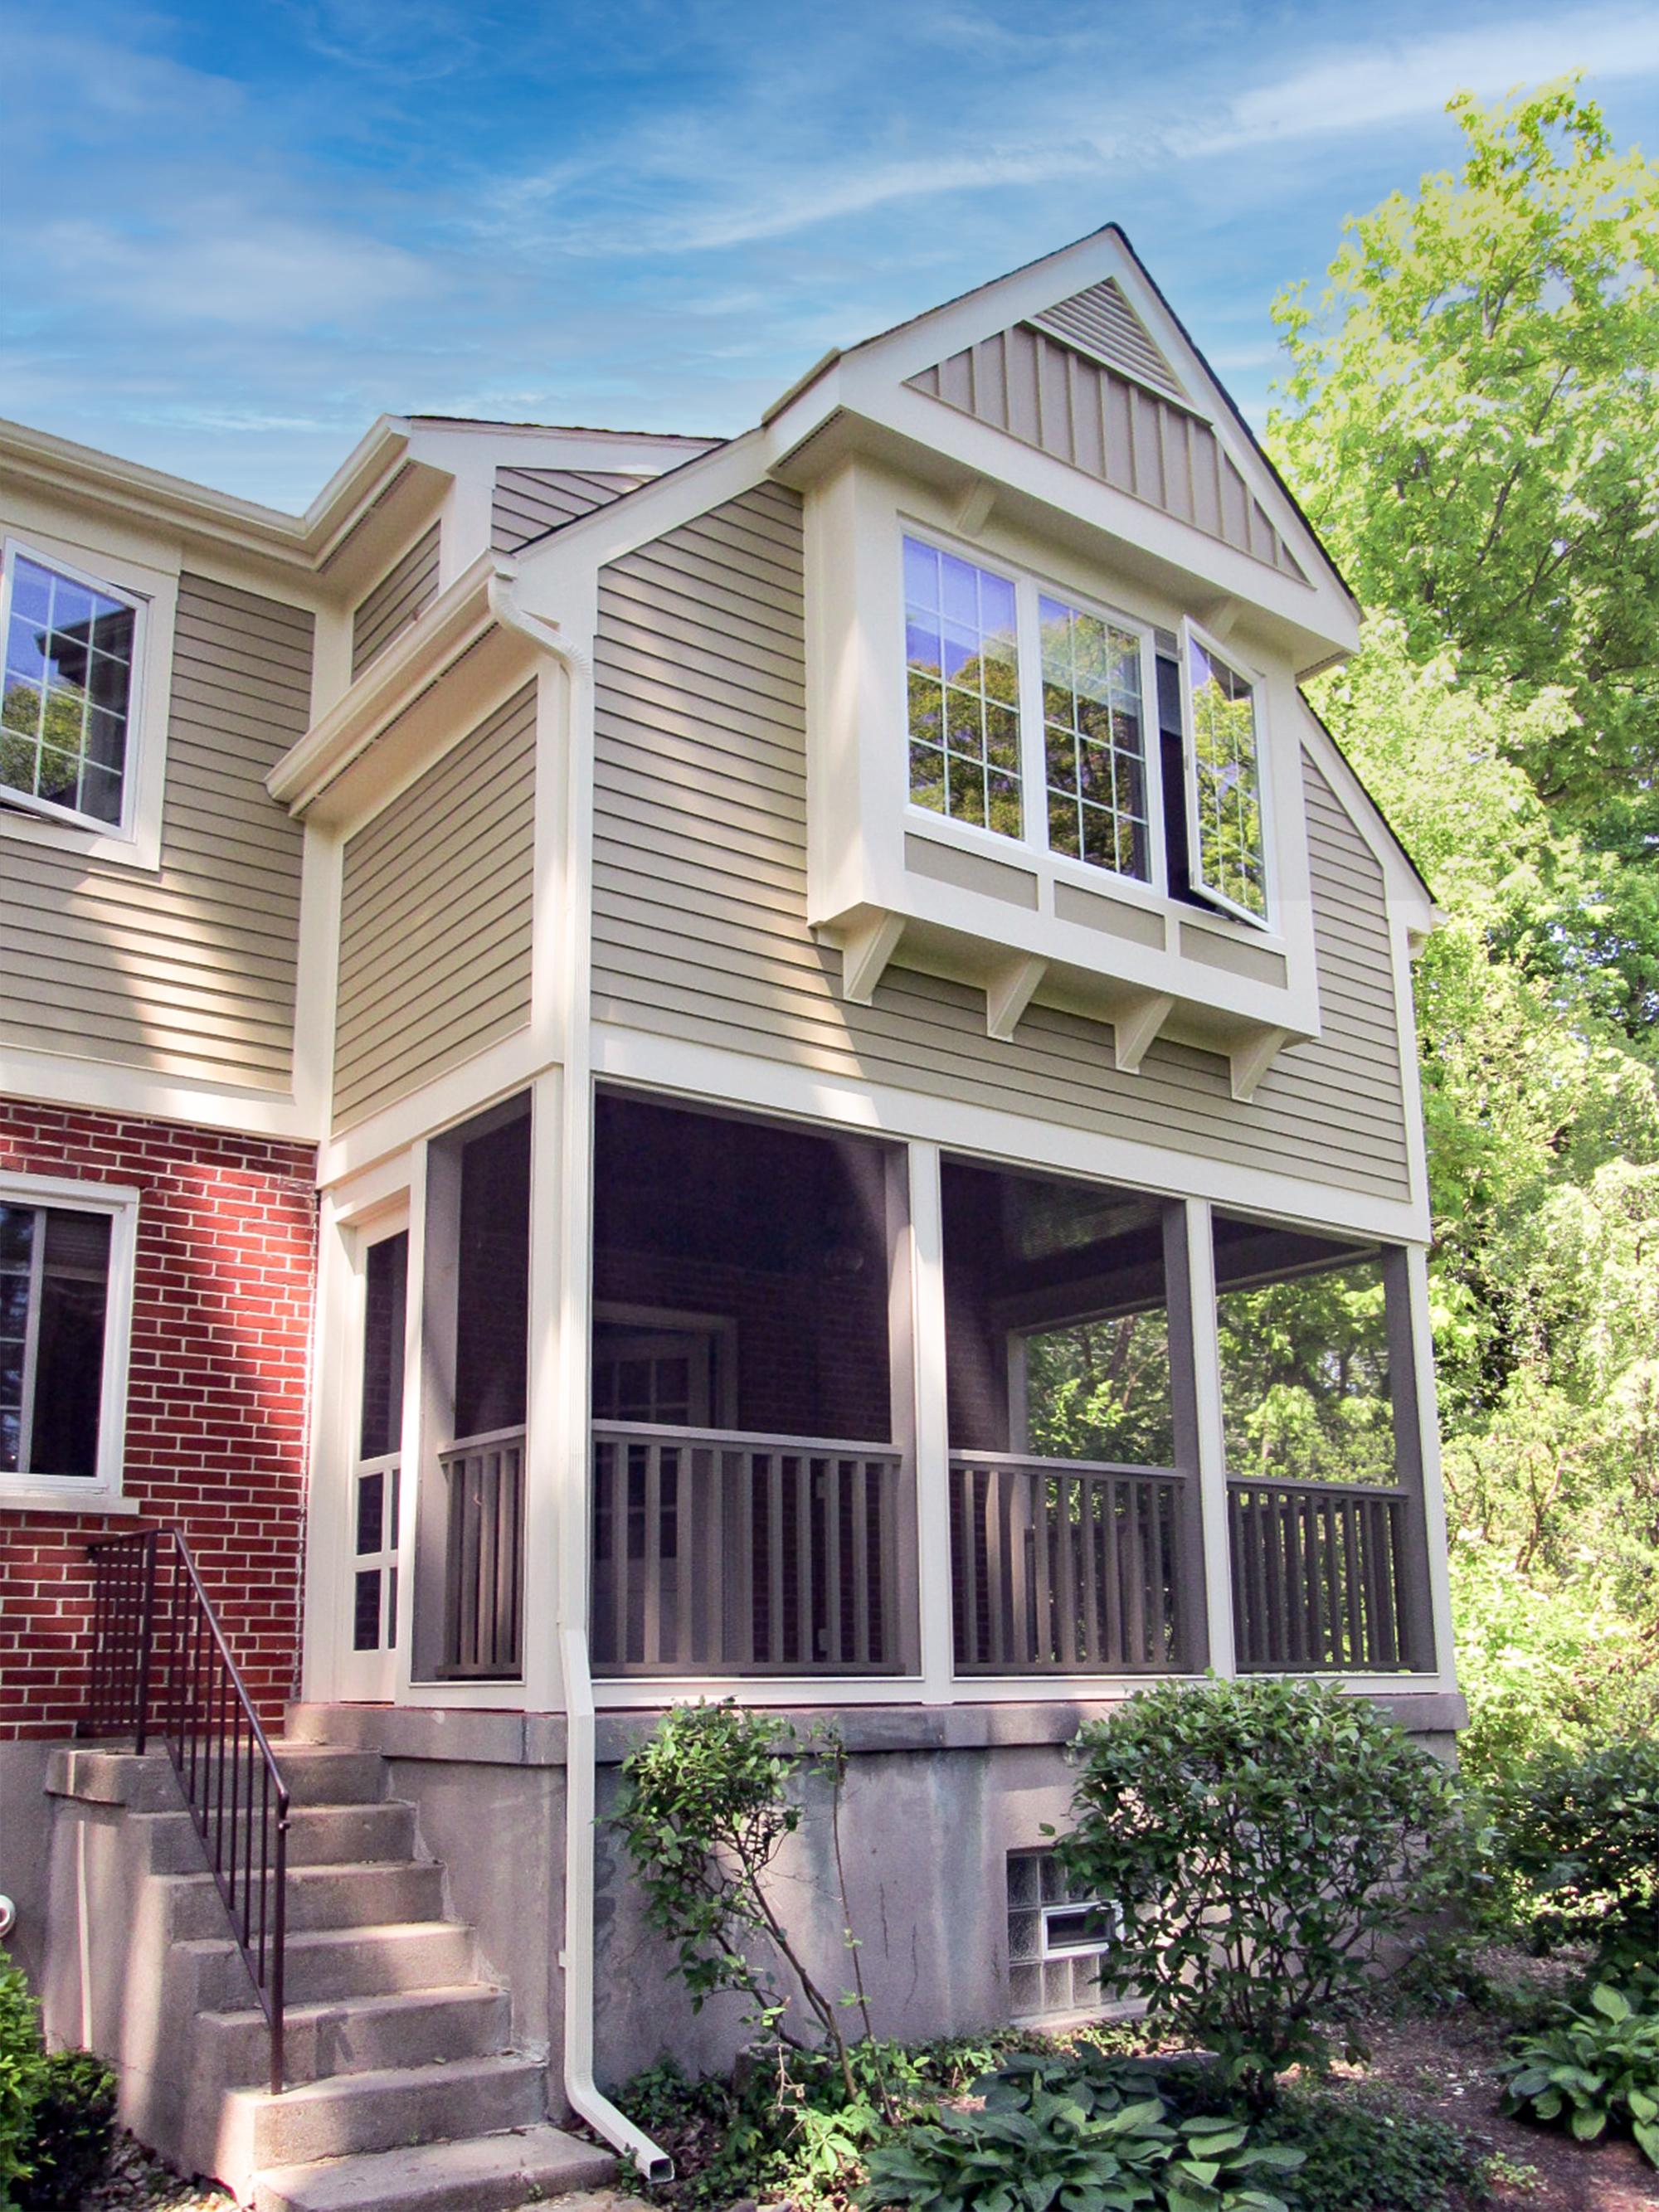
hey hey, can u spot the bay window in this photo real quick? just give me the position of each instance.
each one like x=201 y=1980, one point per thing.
x=1084 y=732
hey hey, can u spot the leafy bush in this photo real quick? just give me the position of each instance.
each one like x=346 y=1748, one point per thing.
x=1373 y=2157
x=73 y=2118
x=709 y=1800
x=1257 y=1838
x=1092 y=2135
x=1595 y=2069
x=1576 y=1837
x=22 y=2075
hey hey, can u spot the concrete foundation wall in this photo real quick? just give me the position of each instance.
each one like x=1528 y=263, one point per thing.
x=25 y=1849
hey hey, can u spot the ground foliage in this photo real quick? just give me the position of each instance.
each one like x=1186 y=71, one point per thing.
x=1471 y=417
x=56 y=2111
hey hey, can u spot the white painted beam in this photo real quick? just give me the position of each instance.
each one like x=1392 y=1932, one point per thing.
x=1009 y=993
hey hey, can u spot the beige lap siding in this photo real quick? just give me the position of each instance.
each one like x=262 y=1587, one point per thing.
x=189 y=971
x=529 y=503
x=408 y=587
x=699 y=897
x=435 y=918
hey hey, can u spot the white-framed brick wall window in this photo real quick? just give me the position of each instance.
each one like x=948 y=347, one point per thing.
x=67 y=1256
x=1056 y=1936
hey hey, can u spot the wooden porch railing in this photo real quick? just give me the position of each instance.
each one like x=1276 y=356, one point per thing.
x=719 y=1553
x=1318 y=1576
x=483 y=1557
x=1068 y=1567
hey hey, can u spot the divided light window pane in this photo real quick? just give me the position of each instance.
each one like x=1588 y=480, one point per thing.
x=963 y=689
x=54 y=1295
x=1094 y=740
x=67 y=695
x=1226 y=788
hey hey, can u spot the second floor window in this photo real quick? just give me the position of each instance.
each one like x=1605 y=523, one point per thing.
x=67 y=703
x=54 y=1295
x=1063 y=727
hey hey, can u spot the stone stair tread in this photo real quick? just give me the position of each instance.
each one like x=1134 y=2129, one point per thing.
x=320 y=1939
x=491 y=2067
x=479 y=2173
x=388 y=2001
x=308 y=1872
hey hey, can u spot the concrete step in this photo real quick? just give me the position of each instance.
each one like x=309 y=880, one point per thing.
x=317 y=1774
x=485 y=2174
x=329 y=1964
x=372 y=1894
x=318 y=1835
x=386 y=2110
x=360 y=2035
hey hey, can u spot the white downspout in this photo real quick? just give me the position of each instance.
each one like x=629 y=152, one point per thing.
x=586 y=2099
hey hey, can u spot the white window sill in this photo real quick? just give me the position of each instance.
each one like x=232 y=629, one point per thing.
x=62 y=1498
x=126 y=848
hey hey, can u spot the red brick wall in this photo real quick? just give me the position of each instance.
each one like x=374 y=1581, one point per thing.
x=216 y=1398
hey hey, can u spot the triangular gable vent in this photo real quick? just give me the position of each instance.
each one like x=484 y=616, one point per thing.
x=1102 y=322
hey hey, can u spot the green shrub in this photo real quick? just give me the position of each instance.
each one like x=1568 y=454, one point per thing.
x=1373 y=2157
x=1257 y=1838
x=1576 y=1837
x=22 y=2075
x=73 y=2118
x=1092 y=2135
x=1594 y=2069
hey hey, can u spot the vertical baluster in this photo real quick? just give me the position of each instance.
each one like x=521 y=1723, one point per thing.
x=621 y=1544
x=837 y=1489
x=514 y=1549
x=1067 y=1488
x=1134 y=1491
x=651 y=1559
x=806 y=1476
x=887 y=1494
x=487 y=1536
x=776 y=1645
x=692 y=1501
x=748 y=1561
x=1351 y=1653
x=863 y=1648
x=1389 y=1522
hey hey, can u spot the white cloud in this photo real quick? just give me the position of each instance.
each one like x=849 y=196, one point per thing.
x=1367 y=86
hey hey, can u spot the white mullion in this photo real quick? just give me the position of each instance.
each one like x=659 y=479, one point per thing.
x=1033 y=755
x=1152 y=761
x=31 y=1344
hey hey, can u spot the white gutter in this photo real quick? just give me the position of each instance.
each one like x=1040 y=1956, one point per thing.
x=576 y=1958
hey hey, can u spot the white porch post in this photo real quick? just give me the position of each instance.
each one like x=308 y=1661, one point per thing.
x=1211 y=1440
x=931 y=1428
x=545 y=1443
x=1420 y=1457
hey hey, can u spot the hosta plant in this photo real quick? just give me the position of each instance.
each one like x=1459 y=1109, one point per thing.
x=1594 y=2069
x=1090 y=2137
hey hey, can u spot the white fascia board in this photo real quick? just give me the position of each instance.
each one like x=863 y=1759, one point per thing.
x=455 y=621
x=111 y=1086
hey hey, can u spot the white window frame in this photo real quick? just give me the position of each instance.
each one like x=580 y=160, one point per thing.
x=1030 y=586
x=1191 y=633
x=102 y=1492
x=1095 y=1948
x=136 y=840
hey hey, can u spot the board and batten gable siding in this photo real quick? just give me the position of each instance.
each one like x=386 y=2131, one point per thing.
x=1047 y=394
x=189 y=971
x=435 y=917
x=529 y=503
x=410 y=586
x=699 y=897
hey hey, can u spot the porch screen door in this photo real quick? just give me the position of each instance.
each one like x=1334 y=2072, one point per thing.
x=376 y=1481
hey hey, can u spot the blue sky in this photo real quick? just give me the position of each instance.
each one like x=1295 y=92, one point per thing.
x=239 y=232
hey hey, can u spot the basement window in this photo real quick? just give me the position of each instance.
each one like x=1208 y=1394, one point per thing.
x=1057 y=1934
x=65 y=1297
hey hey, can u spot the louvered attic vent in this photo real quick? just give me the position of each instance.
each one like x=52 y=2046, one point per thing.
x=1100 y=321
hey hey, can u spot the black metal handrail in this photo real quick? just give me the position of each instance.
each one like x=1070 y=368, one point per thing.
x=160 y=1666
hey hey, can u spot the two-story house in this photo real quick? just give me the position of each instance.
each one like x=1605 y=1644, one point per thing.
x=637 y=1068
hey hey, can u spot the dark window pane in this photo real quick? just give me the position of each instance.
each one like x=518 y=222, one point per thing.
x=371 y=1504
x=492 y=1320
x=366 y=1612
x=69 y=1359
x=386 y=1272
